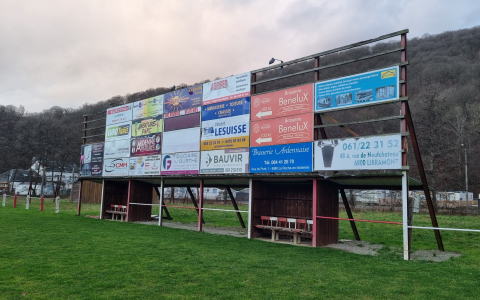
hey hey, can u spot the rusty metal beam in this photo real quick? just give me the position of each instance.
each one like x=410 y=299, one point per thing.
x=239 y=215
x=342 y=126
x=349 y=214
x=194 y=202
x=423 y=177
x=359 y=122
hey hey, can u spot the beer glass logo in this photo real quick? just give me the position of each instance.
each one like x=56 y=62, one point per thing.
x=327 y=147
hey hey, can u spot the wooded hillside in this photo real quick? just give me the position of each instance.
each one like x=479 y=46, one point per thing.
x=443 y=88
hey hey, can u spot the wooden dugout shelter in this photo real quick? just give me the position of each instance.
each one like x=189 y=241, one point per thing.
x=312 y=195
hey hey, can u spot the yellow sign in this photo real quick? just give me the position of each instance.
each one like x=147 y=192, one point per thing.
x=226 y=143
x=389 y=73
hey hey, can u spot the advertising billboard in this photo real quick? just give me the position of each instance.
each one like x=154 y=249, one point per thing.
x=225 y=161
x=281 y=158
x=97 y=159
x=145 y=165
x=286 y=130
x=155 y=106
x=225 y=89
x=292 y=101
x=185 y=140
x=147 y=126
x=182 y=102
x=116 y=166
x=119 y=114
x=365 y=153
x=180 y=163
x=356 y=90
x=225 y=133
x=149 y=145
x=85 y=160
x=182 y=122
x=226 y=109
x=140 y=109
x=118 y=131
x=117 y=148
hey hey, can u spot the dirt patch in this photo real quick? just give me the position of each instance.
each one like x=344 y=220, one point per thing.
x=233 y=231
x=433 y=255
x=358 y=247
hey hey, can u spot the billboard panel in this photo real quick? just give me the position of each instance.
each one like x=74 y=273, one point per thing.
x=117 y=148
x=356 y=90
x=292 y=101
x=85 y=161
x=180 y=163
x=225 y=133
x=149 y=145
x=118 y=131
x=286 y=130
x=225 y=89
x=182 y=102
x=281 y=158
x=140 y=109
x=155 y=106
x=147 y=126
x=225 y=161
x=182 y=122
x=145 y=165
x=97 y=159
x=368 y=153
x=185 y=140
x=226 y=109
x=116 y=166
x=119 y=114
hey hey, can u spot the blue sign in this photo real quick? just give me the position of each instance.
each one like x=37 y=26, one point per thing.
x=281 y=158
x=376 y=86
x=226 y=109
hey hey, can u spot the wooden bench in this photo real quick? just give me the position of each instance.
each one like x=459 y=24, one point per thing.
x=120 y=210
x=279 y=224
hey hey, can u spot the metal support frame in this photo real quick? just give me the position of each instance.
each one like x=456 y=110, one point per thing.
x=101 y=199
x=406 y=237
x=79 y=204
x=349 y=214
x=250 y=216
x=200 y=213
x=239 y=215
x=189 y=190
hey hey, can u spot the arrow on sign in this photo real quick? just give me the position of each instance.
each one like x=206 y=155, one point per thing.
x=263 y=114
x=264 y=140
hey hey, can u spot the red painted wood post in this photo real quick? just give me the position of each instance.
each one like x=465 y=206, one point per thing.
x=41 y=203
x=128 y=200
x=200 y=206
x=15 y=201
x=314 y=212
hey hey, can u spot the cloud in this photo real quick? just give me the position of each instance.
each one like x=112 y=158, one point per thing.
x=67 y=53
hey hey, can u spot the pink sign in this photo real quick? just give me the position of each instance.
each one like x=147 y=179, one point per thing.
x=286 y=130
x=292 y=101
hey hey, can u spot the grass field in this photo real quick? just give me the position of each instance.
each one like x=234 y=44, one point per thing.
x=44 y=255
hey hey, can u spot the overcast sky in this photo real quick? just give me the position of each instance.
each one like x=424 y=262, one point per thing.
x=67 y=53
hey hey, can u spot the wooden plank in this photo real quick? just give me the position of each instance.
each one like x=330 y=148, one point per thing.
x=235 y=206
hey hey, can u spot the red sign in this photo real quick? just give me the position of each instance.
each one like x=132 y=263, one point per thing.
x=292 y=101
x=286 y=130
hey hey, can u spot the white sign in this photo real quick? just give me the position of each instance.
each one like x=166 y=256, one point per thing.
x=145 y=165
x=115 y=166
x=233 y=87
x=118 y=131
x=368 y=153
x=119 y=114
x=225 y=161
x=117 y=148
x=184 y=140
x=180 y=163
x=226 y=127
x=140 y=109
x=87 y=152
x=155 y=106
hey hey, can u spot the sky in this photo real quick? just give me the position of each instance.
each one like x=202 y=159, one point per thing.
x=66 y=53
